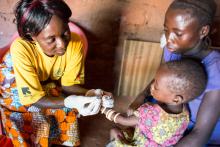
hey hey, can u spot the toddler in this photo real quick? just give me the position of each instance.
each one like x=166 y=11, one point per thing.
x=163 y=122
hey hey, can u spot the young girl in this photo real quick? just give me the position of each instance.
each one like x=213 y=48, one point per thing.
x=187 y=26
x=162 y=123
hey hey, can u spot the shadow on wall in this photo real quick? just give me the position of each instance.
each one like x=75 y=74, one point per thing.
x=215 y=34
x=102 y=40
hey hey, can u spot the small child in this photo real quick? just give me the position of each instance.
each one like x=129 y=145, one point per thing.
x=162 y=123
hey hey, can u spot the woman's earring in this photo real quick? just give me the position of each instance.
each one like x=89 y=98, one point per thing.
x=163 y=41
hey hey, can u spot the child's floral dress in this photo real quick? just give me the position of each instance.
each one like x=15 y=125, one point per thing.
x=156 y=127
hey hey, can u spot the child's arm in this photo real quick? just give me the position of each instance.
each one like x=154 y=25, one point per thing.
x=127 y=121
x=120 y=119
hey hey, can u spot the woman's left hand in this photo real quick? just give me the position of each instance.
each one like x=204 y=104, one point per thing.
x=98 y=92
x=107 y=97
x=85 y=105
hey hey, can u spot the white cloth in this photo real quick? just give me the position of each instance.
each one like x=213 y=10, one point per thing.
x=85 y=105
x=107 y=101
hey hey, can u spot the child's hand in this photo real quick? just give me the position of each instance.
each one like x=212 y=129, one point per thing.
x=117 y=134
x=130 y=111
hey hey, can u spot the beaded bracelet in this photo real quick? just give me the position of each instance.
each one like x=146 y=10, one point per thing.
x=103 y=110
x=109 y=115
x=115 y=117
x=108 y=112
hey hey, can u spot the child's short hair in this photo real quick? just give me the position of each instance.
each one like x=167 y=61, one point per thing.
x=189 y=75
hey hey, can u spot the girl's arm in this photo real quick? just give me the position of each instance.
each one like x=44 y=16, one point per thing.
x=127 y=121
x=119 y=118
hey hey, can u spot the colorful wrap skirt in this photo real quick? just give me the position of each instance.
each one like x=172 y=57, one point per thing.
x=29 y=125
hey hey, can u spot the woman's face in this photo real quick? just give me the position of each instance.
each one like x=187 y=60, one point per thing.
x=182 y=31
x=54 y=38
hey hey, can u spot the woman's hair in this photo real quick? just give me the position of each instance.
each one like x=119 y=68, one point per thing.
x=188 y=76
x=203 y=10
x=32 y=16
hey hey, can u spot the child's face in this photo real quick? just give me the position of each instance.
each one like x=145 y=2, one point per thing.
x=182 y=31
x=159 y=88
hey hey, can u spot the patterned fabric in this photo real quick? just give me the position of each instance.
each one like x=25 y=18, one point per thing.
x=156 y=128
x=28 y=125
x=159 y=127
x=56 y=126
x=10 y=98
x=136 y=140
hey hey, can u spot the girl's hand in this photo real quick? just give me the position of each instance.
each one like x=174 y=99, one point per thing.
x=130 y=111
x=106 y=97
x=117 y=134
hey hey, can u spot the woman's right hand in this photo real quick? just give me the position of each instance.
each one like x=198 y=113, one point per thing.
x=85 y=105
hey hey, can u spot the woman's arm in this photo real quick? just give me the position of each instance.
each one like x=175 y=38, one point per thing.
x=79 y=90
x=50 y=102
x=207 y=117
x=74 y=89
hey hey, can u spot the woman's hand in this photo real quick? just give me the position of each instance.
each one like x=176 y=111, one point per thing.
x=106 y=97
x=85 y=105
x=98 y=92
x=108 y=94
x=91 y=92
